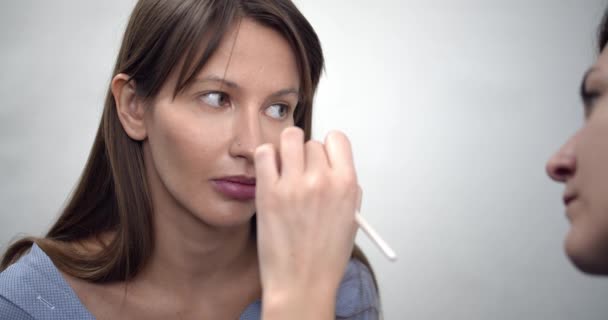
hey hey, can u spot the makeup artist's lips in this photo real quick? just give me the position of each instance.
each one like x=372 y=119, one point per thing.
x=568 y=198
x=236 y=187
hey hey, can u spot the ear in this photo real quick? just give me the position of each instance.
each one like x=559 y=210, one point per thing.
x=129 y=107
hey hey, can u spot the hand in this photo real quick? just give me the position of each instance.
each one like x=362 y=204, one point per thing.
x=305 y=220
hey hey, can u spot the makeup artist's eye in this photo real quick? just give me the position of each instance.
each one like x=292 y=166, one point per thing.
x=215 y=99
x=277 y=111
x=589 y=97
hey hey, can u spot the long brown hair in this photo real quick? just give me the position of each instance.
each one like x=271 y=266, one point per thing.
x=112 y=195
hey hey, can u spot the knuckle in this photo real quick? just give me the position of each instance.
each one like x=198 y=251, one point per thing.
x=264 y=150
x=347 y=184
x=316 y=181
x=352 y=184
x=292 y=133
x=346 y=179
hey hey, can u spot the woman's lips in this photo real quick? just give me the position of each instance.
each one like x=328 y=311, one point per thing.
x=236 y=187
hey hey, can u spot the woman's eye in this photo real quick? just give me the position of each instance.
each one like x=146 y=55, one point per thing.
x=277 y=111
x=215 y=99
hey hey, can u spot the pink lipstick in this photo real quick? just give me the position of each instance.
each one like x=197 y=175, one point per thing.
x=236 y=187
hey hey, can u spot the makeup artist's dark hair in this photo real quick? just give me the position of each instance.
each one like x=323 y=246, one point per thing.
x=602 y=33
x=111 y=196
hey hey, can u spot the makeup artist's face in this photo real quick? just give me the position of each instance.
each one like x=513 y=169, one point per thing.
x=201 y=143
x=582 y=165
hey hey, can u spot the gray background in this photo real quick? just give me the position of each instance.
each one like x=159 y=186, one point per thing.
x=452 y=107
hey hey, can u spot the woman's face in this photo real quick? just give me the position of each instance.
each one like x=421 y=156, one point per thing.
x=200 y=145
x=582 y=165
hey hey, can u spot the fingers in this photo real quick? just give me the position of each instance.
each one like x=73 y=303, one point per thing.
x=266 y=169
x=292 y=152
x=316 y=158
x=296 y=157
x=339 y=154
x=306 y=199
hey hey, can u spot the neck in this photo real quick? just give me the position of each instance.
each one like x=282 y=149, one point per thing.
x=189 y=255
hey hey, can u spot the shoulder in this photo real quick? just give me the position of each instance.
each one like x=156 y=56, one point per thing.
x=28 y=273
x=33 y=288
x=16 y=287
x=18 y=277
x=9 y=310
x=357 y=296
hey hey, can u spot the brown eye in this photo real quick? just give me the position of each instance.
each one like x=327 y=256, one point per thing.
x=215 y=99
x=277 y=111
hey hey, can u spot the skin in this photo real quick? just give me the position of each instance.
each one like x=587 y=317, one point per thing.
x=206 y=264
x=307 y=211
x=581 y=165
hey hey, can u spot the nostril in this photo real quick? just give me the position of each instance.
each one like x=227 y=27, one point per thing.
x=562 y=172
x=561 y=167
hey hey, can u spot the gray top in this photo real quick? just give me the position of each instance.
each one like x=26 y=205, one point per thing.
x=33 y=288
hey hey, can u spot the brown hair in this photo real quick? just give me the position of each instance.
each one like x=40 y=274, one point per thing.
x=112 y=195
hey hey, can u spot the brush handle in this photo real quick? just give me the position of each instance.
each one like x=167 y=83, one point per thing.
x=375 y=237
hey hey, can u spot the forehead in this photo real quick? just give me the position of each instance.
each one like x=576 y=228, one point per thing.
x=250 y=51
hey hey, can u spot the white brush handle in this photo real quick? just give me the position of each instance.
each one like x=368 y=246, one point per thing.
x=375 y=237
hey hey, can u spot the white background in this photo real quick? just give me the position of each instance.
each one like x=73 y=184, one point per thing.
x=452 y=107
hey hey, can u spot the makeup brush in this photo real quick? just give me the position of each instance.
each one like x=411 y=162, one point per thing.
x=375 y=237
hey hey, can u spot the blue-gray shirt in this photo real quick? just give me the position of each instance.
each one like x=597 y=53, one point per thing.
x=33 y=288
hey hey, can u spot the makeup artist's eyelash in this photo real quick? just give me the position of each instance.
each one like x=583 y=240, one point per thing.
x=588 y=96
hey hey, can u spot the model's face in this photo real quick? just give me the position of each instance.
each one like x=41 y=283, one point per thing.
x=582 y=165
x=199 y=151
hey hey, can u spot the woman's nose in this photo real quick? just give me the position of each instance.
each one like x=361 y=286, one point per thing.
x=247 y=135
x=562 y=165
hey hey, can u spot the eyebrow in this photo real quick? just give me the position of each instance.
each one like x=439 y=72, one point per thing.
x=220 y=80
x=285 y=92
x=234 y=85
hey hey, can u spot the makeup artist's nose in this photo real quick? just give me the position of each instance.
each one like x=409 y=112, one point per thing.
x=562 y=165
x=247 y=134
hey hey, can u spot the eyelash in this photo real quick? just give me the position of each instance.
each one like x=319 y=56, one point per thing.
x=589 y=97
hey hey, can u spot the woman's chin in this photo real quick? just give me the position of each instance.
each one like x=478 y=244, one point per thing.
x=227 y=219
